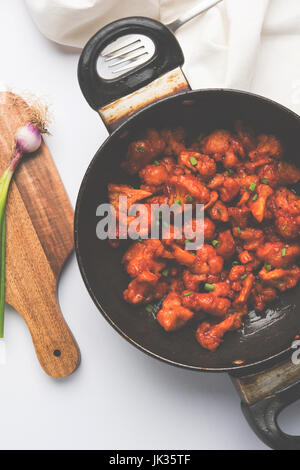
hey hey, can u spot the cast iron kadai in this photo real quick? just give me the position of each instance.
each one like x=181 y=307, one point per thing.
x=258 y=357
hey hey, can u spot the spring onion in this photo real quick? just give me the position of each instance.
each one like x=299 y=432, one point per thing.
x=149 y=308
x=28 y=139
x=209 y=287
x=193 y=161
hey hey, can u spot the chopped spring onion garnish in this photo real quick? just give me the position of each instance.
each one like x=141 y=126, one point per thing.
x=209 y=287
x=215 y=243
x=284 y=227
x=140 y=148
x=193 y=161
x=267 y=266
x=178 y=201
x=244 y=276
x=187 y=293
x=140 y=240
x=230 y=171
x=149 y=308
x=165 y=272
x=187 y=241
x=283 y=252
x=235 y=263
x=255 y=197
x=252 y=187
x=265 y=181
x=156 y=162
x=238 y=230
x=190 y=199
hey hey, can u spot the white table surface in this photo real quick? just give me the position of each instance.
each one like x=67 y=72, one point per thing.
x=119 y=398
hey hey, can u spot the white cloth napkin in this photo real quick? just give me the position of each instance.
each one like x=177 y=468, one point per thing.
x=251 y=45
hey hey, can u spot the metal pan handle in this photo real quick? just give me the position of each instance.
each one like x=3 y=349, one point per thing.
x=106 y=96
x=264 y=395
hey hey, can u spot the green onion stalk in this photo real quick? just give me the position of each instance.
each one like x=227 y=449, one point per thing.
x=28 y=139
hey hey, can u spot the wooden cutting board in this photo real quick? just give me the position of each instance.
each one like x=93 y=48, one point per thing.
x=39 y=239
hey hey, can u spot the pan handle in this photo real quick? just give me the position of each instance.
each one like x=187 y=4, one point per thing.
x=264 y=395
x=262 y=417
x=116 y=99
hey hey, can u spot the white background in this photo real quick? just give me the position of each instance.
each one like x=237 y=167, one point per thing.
x=119 y=398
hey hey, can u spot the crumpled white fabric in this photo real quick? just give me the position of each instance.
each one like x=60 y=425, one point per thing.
x=251 y=45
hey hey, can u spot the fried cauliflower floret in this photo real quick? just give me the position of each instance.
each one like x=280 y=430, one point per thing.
x=207 y=303
x=141 y=152
x=285 y=207
x=239 y=216
x=174 y=140
x=192 y=281
x=219 y=212
x=115 y=191
x=278 y=254
x=245 y=257
x=173 y=315
x=226 y=246
x=208 y=229
x=222 y=144
x=144 y=256
x=244 y=293
x=207 y=261
x=189 y=185
x=154 y=175
x=245 y=136
x=262 y=295
x=250 y=237
x=258 y=207
x=158 y=173
x=198 y=163
x=211 y=336
x=282 y=279
x=288 y=173
x=270 y=173
x=227 y=187
x=144 y=288
x=268 y=146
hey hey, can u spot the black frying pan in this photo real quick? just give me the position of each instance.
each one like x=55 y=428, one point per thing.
x=258 y=357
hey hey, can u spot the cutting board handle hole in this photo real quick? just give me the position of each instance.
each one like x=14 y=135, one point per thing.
x=57 y=353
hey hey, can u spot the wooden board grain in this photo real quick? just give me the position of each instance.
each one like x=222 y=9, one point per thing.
x=39 y=240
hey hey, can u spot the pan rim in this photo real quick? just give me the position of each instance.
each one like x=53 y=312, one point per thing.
x=235 y=370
